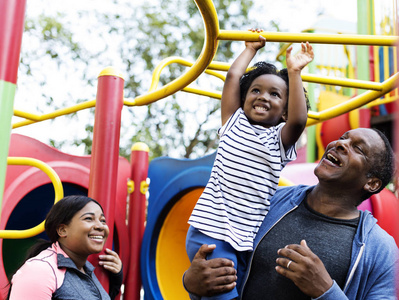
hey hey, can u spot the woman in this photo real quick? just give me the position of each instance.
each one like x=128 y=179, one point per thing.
x=58 y=269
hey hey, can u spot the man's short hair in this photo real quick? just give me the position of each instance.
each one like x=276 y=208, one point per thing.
x=383 y=165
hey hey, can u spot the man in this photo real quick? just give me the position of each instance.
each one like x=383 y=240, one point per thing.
x=315 y=243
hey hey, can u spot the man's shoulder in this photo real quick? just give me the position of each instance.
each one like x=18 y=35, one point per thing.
x=294 y=190
x=292 y=194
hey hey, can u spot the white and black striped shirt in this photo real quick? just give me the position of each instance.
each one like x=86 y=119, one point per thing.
x=244 y=177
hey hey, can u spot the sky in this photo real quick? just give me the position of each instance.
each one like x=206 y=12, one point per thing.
x=292 y=16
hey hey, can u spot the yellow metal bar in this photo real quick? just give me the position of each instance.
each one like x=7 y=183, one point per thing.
x=342 y=39
x=354 y=83
x=377 y=76
x=307 y=78
x=351 y=69
x=59 y=194
x=353 y=103
x=179 y=60
x=26 y=115
x=212 y=94
x=385 y=52
x=32 y=118
x=383 y=101
x=211 y=24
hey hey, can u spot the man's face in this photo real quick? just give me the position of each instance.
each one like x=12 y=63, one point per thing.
x=348 y=160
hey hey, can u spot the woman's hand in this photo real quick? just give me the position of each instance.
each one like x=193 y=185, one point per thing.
x=110 y=261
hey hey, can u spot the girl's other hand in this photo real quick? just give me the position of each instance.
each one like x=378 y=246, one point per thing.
x=301 y=59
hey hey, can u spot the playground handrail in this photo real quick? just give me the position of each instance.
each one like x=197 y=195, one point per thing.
x=59 y=194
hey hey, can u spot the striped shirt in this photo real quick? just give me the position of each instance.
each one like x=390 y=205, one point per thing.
x=244 y=177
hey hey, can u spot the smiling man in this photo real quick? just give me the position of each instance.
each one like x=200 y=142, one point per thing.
x=315 y=243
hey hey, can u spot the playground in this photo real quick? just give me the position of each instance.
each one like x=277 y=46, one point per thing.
x=352 y=83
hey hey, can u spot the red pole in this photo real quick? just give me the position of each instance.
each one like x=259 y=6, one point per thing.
x=137 y=217
x=105 y=151
x=12 y=14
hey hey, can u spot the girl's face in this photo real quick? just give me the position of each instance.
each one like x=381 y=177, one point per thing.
x=266 y=99
x=86 y=233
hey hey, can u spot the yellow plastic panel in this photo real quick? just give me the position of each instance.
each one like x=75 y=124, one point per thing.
x=171 y=257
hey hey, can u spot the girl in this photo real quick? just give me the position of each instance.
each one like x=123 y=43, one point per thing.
x=264 y=112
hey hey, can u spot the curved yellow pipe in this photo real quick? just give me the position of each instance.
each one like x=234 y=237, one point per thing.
x=179 y=60
x=59 y=194
x=211 y=23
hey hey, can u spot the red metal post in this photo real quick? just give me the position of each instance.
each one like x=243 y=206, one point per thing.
x=12 y=14
x=105 y=151
x=137 y=217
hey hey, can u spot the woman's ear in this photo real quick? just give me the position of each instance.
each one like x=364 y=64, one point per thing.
x=373 y=184
x=62 y=231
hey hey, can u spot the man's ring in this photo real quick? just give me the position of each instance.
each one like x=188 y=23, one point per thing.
x=288 y=265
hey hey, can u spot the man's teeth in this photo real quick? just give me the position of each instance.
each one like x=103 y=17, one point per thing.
x=333 y=159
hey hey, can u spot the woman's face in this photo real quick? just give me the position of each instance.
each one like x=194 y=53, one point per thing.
x=86 y=233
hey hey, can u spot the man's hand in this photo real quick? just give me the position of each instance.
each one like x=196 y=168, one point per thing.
x=304 y=268
x=209 y=277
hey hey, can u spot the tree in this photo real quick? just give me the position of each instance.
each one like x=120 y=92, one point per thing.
x=136 y=38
